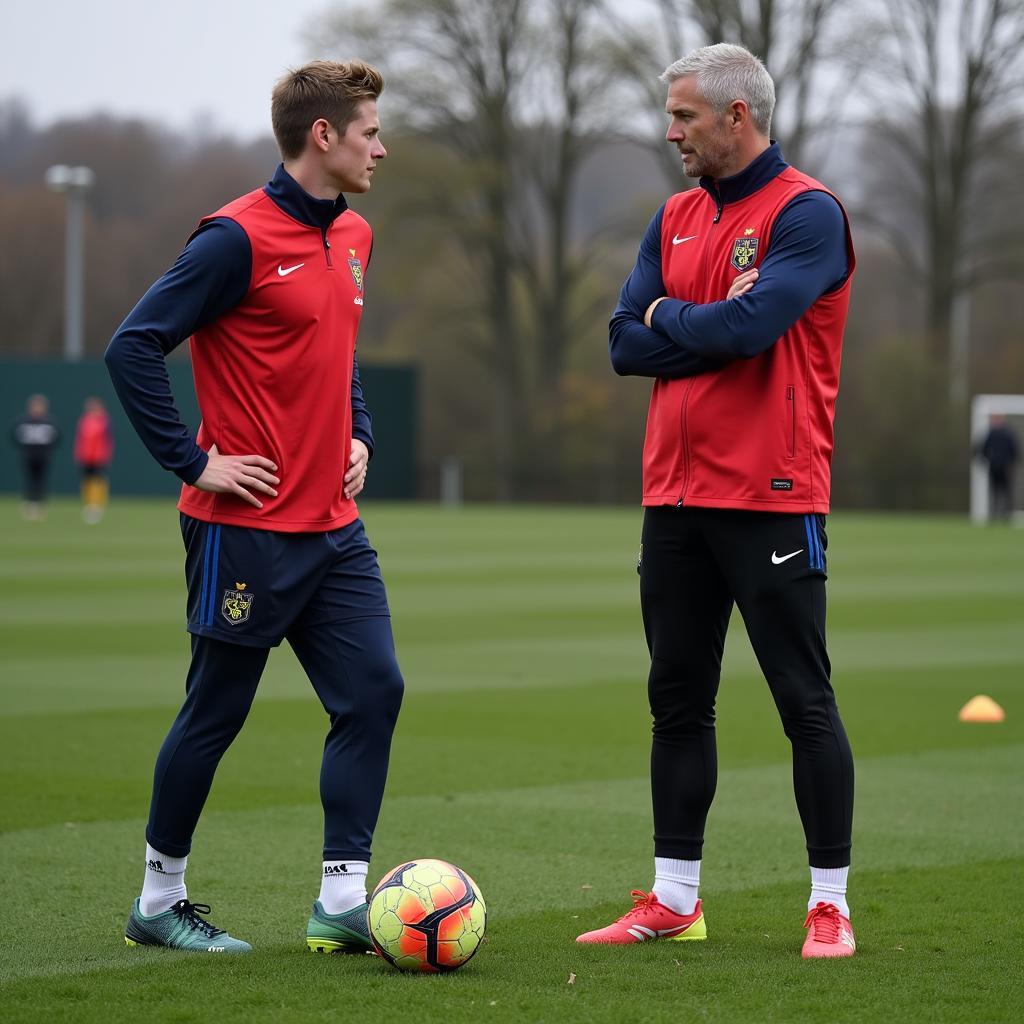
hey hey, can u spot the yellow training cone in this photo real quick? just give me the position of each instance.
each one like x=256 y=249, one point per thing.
x=982 y=709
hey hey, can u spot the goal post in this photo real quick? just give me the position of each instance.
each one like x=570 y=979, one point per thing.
x=983 y=407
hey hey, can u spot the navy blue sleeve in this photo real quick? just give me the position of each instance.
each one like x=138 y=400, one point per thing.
x=806 y=257
x=634 y=348
x=207 y=279
x=362 y=426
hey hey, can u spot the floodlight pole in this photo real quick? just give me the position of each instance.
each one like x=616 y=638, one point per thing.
x=74 y=182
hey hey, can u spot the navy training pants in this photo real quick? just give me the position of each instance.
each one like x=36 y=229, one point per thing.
x=248 y=590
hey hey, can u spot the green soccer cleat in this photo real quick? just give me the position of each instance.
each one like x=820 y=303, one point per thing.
x=339 y=933
x=181 y=927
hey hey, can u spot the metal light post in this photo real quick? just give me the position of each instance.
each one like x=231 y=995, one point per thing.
x=74 y=182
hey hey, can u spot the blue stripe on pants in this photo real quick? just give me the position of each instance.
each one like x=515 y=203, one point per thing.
x=206 y=573
x=812 y=556
x=211 y=602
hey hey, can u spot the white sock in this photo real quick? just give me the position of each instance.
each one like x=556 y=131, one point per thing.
x=676 y=883
x=828 y=885
x=344 y=885
x=164 y=882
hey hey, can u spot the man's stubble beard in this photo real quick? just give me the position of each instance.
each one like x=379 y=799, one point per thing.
x=716 y=157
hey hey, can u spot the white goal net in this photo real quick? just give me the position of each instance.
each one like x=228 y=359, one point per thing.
x=1011 y=410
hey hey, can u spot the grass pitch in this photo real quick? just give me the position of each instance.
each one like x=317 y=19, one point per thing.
x=521 y=755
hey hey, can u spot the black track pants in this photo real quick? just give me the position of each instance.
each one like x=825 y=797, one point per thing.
x=695 y=563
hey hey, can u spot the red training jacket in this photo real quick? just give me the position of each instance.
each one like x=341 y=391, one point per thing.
x=94 y=441
x=756 y=434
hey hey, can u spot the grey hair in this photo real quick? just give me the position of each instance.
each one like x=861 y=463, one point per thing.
x=726 y=72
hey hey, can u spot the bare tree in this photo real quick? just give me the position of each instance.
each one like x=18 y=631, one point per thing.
x=954 y=71
x=507 y=86
x=457 y=67
x=571 y=87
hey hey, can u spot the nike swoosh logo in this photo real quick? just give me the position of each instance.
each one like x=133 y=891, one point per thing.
x=776 y=560
x=285 y=271
x=679 y=241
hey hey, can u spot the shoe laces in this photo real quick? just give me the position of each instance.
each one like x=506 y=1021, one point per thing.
x=824 y=919
x=641 y=901
x=189 y=913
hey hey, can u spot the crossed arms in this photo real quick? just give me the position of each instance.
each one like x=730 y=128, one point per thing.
x=806 y=257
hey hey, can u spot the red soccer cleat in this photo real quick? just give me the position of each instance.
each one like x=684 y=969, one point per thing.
x=649 y=919
x=830 y=933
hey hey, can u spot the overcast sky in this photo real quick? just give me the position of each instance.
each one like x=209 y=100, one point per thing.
x=170 y=62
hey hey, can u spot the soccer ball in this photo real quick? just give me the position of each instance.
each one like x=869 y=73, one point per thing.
x=427 y=915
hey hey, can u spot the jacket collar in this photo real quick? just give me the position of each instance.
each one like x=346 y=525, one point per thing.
x=754 y=176
x=295 y=201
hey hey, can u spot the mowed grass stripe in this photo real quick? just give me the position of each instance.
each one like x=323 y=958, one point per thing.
x=461 y=739
x=58 y=766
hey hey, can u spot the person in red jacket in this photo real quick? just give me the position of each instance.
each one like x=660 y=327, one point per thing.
x=736 y=307
x=94 y=452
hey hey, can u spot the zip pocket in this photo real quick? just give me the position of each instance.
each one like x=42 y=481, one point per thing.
x=791 y=420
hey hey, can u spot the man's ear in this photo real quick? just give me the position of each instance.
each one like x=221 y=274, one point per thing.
x=320 y=133
x=738 y=114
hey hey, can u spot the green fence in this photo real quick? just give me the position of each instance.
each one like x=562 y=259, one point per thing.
x=390 y=391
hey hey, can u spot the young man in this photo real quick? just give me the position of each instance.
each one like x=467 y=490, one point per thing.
x=736 y=306
x=270 y=289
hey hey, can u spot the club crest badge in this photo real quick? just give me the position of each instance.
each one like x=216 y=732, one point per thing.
x=744 y=252
x=357 y=270
x=235 y=605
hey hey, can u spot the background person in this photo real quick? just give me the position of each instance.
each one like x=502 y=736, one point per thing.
x=36 y=434
x=270 y=289
x=94 y=452
x=736 y=476
x=1000 y=450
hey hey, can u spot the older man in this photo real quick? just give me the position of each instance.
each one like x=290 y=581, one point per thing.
x=736 y=306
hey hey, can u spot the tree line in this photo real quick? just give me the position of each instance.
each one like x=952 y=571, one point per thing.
x=526 y=156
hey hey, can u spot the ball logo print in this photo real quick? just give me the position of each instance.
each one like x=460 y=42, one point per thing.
x=427 y=915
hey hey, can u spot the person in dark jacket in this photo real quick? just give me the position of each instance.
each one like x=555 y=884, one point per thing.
x=1000 y=450
x=37 y=435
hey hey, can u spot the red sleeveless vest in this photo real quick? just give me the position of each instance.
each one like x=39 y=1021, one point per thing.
x=758 y=433
x=273 y=375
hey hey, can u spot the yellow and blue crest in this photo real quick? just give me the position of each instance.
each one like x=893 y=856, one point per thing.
x=357 y=270
x=744 y=252
x=235 y=605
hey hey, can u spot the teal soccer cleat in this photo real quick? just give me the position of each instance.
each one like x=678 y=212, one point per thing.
x=339 y=933
x=181 y=927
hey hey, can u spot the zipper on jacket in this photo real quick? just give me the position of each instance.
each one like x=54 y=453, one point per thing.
x=689 y=384
x=791 y=418
x=686 y=443
x=718 y=206
x=327 y=248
